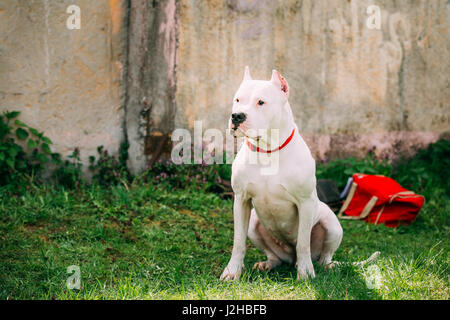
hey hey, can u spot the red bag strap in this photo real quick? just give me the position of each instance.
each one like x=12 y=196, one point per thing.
x=364 y=213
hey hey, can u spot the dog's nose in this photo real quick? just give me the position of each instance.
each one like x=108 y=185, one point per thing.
x=238 y=118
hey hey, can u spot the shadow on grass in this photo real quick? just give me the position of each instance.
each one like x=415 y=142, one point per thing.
x=342 y=282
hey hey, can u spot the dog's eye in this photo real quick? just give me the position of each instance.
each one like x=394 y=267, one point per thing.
x=260 y=102
x=237 y=100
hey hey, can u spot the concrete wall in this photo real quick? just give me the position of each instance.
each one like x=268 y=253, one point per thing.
x=67 y=83
x=352 y=88
x=151 y=80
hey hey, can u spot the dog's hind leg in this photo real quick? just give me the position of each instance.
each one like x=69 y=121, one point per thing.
x=333 y=235
x=276 y=252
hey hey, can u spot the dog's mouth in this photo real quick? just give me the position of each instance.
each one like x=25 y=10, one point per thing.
x=238 y=133
x=241 y=130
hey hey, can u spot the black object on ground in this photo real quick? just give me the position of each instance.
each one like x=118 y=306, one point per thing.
x=329 y=193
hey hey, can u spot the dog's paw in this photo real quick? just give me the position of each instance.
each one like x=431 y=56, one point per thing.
x=265 y=265
x=325 y=261
x=262 y=265
x=305 y=269
x=231 y=272
x=330 y=265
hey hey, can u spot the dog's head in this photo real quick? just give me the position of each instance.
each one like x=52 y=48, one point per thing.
x=258 y=106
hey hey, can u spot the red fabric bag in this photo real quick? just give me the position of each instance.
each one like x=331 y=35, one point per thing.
x=379 y=199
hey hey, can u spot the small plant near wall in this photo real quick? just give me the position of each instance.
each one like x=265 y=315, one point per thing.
x=211 y=178
x=69 y=172
x=107 y=169
x=24 y=151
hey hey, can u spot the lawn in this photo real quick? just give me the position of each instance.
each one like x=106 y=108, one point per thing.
x=147 y=241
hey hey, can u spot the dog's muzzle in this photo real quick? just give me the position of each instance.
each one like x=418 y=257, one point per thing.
x=237 y=119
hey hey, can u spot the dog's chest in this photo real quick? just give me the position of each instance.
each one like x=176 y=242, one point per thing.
x=273 y=206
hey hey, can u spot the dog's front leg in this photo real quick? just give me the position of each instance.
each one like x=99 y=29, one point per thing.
x=241 y=212
x=307 y=210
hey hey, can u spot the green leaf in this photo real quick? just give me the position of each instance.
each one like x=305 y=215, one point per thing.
x=56 y=157
x=47 y=140
x=21 y=134
x=12 y=114
x=13 y=152
x=20 y=123
x=46 y=148
x=21 y=164
x=349 y=172
x=2 y=156
x=35 y=132
x=10 y=162
x=42 y=158
x=32 y=143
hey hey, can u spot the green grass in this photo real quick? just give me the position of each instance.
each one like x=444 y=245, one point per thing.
x=152 y=242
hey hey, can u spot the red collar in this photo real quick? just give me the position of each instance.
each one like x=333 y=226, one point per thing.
x=258 y=149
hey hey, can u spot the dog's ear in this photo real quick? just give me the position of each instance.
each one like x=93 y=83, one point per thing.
x=247 y=75
x=279 y=81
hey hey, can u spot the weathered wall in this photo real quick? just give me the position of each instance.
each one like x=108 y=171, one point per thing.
x=352 y=88
x=151 y=81
x=65 y=82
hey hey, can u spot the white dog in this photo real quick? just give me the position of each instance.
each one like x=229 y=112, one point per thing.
x=280 y=212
